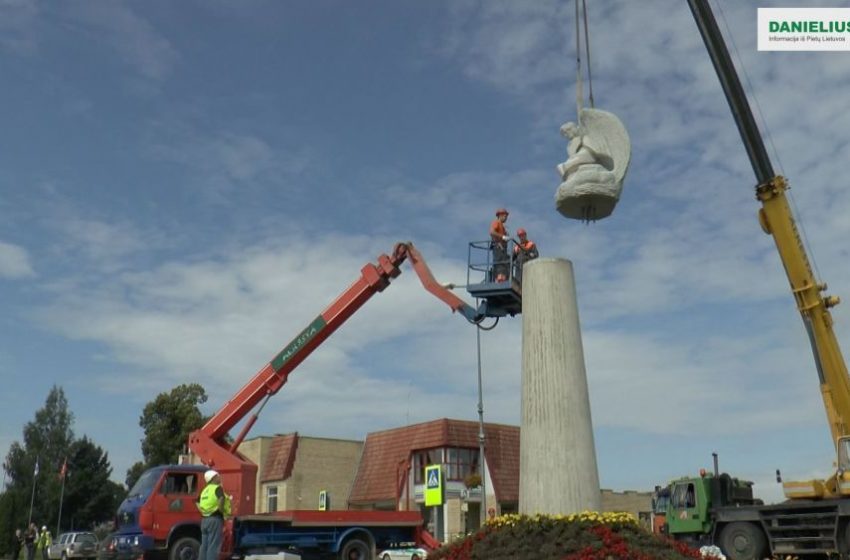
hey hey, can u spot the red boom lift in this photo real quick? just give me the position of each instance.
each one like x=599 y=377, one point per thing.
x=147 y=522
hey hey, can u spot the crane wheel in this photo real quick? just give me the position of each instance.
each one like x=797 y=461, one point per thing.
x=743 y=541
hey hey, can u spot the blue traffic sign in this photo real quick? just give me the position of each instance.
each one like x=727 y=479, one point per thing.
x=433 y=478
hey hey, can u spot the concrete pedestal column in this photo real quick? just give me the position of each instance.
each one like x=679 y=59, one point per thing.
x=558 y=472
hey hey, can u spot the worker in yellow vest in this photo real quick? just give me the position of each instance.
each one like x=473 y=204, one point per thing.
x=44 y=542
x=214 y=506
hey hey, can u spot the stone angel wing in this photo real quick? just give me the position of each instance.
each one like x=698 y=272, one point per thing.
x=607 y=136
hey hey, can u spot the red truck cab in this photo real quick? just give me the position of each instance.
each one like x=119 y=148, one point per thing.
x=159 y=513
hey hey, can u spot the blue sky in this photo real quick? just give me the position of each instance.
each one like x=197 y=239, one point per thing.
x=184 y=186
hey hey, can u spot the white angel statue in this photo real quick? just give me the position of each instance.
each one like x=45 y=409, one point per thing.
x=598 y=157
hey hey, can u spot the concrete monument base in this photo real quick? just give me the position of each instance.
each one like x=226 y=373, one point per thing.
x=558 y=472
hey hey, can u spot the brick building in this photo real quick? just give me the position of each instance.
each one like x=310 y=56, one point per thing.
x=293 y=469
x=387 y=470
x=392 y=469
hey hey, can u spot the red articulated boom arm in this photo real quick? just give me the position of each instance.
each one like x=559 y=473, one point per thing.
x=210 y=443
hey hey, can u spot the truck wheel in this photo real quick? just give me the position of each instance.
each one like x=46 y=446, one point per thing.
x=184 y=548
x=743 y=541
x=355 y=549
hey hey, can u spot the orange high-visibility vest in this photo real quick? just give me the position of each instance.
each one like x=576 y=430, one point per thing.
x=527 y=246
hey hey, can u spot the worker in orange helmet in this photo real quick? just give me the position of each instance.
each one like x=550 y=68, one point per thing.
x=499 y=245
x=524 y=251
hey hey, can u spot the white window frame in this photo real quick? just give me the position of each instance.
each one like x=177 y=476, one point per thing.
x=271 y=492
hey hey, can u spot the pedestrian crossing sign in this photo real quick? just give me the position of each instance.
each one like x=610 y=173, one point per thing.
x=433 y=485
x=433 y=478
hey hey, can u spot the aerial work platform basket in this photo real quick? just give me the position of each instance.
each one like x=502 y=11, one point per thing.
x=502 y=297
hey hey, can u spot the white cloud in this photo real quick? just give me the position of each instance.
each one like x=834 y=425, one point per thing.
x=673 y=385
x=230 y=313
x=103 y=241
x=517 y=47
x=218 y=320
x=132 y=37
x=226 y=156
x=14 y=262
x=27 y=24
x=223 y=161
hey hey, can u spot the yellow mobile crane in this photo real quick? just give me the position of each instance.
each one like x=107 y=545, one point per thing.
x=776 y=219
x=716 y=508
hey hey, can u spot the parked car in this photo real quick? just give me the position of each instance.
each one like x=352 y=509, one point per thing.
x=73 y=545
x=116 y=547
x=106 y=548
x=403 y=554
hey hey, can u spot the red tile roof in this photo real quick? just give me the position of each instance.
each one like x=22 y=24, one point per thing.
x=280 y=458
x=383 y=451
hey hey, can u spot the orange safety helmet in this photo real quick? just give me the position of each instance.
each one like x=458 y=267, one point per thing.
x=501 y=211
x=520 y=232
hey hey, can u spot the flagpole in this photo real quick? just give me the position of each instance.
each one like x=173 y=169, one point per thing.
x=34 y=481
x=61 y=497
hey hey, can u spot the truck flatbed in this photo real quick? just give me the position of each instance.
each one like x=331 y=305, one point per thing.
x=338 y=518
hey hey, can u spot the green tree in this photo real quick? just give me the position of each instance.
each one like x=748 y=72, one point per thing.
x=49 y=442
x=167 y=422
x=90 y=496
x=8 y=506
x=46 y=441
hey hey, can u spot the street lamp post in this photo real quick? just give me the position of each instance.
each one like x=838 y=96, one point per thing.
x=481 y=464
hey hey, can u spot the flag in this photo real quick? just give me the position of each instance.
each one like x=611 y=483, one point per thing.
x=35 y=471
x=64 y=470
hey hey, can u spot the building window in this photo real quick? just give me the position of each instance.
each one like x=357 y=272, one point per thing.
x=460 y=463
x=271 y=498
x=422 y=459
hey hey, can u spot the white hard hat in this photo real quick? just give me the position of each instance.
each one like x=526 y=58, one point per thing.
x=44 y=528
x=210 y=474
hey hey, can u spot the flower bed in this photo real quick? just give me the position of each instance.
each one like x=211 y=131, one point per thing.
x=584 y=536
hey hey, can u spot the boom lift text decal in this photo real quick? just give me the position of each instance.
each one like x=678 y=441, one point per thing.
x=298 y=343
